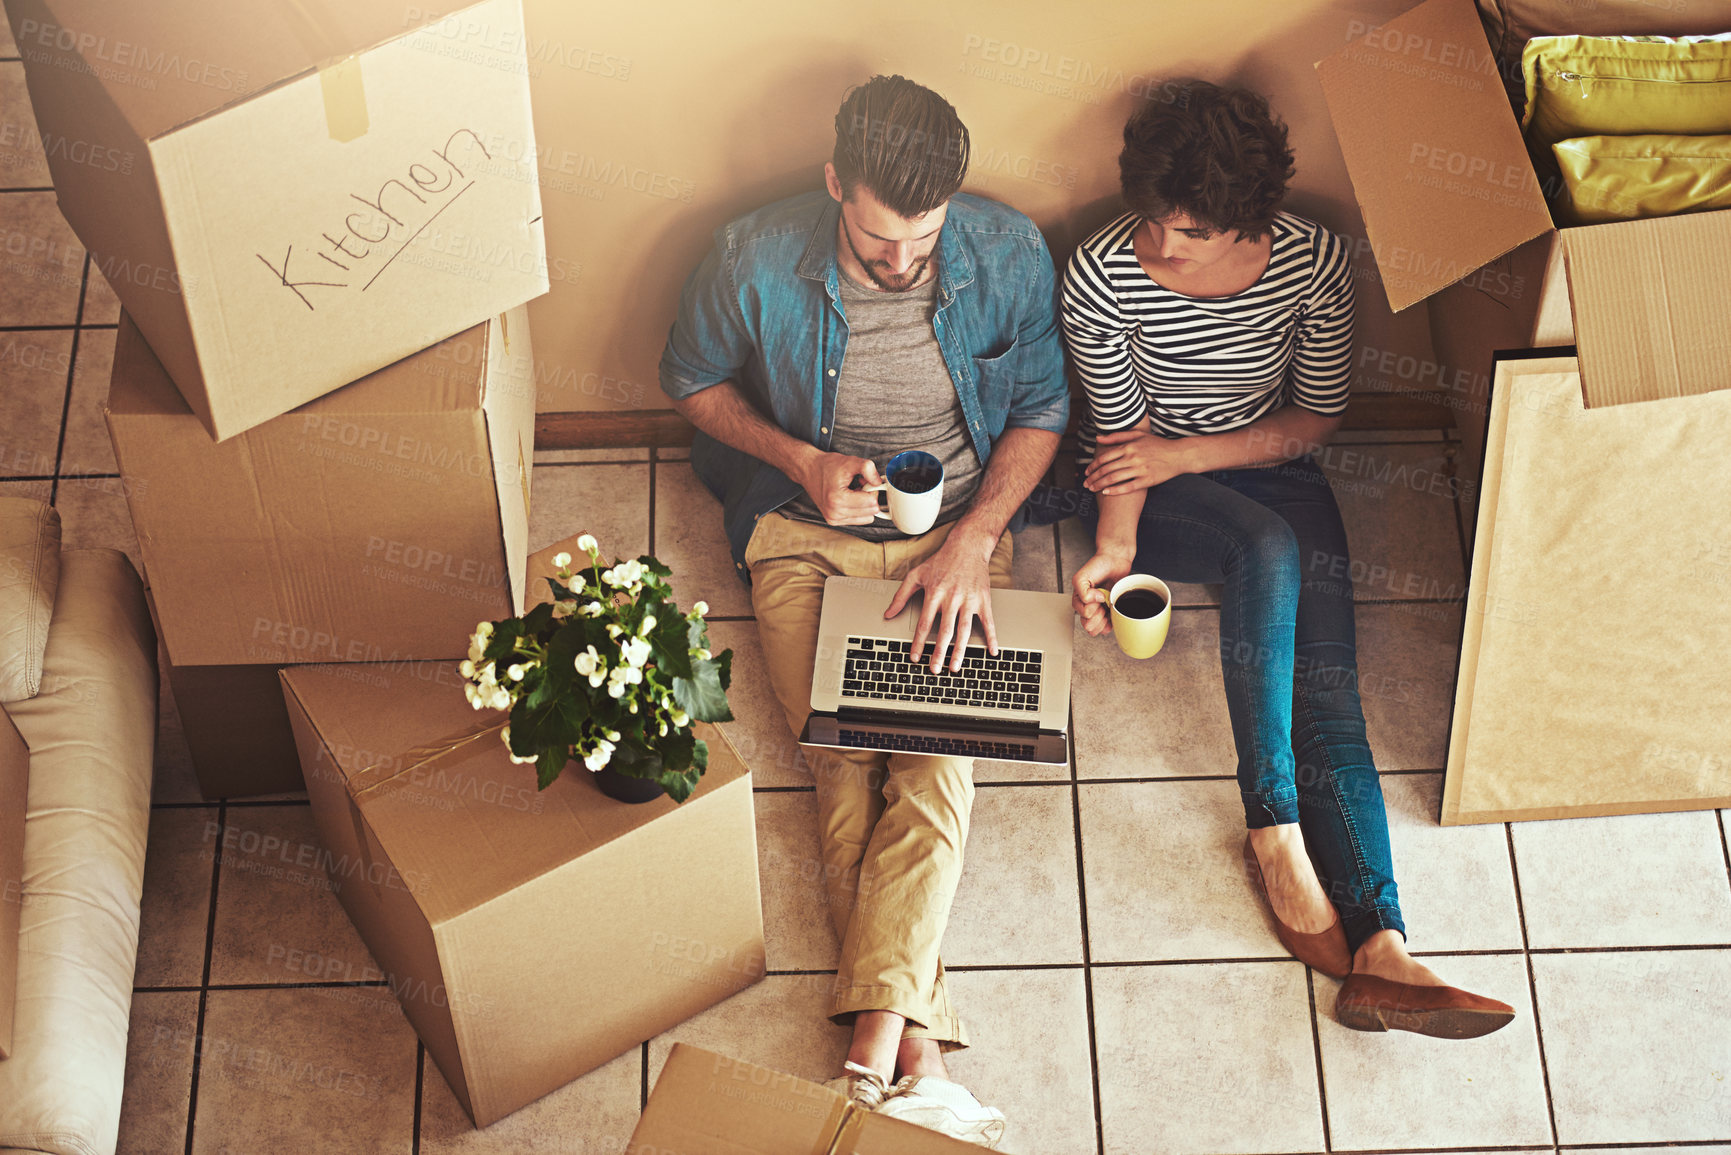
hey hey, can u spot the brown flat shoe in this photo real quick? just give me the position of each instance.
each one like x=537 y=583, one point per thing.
x=1369 y=1003
x=1325 y=950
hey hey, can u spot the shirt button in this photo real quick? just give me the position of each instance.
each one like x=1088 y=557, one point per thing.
x=825 y=429
x=832 y=372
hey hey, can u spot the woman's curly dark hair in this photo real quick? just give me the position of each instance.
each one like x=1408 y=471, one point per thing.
x=1216 y=154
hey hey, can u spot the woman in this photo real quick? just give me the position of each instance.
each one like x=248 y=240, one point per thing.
x=1214 y=335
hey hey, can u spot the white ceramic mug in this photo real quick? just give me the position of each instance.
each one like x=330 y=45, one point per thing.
x=913 y=513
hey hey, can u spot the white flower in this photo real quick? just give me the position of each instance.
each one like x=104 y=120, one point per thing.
x=561 y=560
x=625 y=575
x=680 y=718
x=615 y=689
x=476 y=648
x=590 y=665
x=600 y=756
x=613 y=631
x=487 y=677
x=701 y=654
x=613 y=735
x=636 y=651
x=473 y=694
x=515 y=673
x=664 y=729
x=700 y=609
x=587 y=544
x=501 y=699
x=466 y=667
x=632 y=705
x=592 y=610
x=648 y=624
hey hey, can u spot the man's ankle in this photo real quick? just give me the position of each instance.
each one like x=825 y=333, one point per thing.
x=919 y=1058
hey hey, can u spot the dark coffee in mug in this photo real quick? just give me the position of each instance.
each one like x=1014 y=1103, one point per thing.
x=916 y=478
x=1139 y=603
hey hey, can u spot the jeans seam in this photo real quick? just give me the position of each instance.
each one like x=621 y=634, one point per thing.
x=1354 y=840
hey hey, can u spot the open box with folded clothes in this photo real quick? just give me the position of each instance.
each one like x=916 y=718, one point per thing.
x=1453 y=191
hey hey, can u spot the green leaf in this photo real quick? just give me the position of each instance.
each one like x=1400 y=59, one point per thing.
x=704 y=694
x=538 y=620
x=654 y=565
x=548 y=764
x=678 y=784
x=636 y=762
x=672 y=652
x=560 y=592
x=677 y=749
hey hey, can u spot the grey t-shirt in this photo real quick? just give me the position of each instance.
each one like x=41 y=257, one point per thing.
x=894 y=393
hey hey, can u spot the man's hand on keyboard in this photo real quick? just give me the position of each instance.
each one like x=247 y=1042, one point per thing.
x=957 y=582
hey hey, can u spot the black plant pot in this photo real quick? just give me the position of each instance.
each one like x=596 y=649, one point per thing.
x=625 y=788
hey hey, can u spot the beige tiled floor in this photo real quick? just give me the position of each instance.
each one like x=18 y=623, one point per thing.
x=1123 y=985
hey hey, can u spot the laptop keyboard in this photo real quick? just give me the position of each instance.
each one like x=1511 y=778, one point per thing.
x=879 y=669
x=931 y=744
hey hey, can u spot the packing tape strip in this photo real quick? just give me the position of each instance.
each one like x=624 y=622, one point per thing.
x=345 y=97
x=845 y=1136
x=368 y=779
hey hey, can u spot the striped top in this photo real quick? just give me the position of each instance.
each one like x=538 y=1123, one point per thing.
x=1208 y=364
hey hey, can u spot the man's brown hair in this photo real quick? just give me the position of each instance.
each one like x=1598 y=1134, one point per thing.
x=1217 y=155
x=902 y=141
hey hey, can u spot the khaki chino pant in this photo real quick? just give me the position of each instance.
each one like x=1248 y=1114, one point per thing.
x=892 y=827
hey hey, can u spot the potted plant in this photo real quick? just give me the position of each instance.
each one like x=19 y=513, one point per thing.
x=610 y=673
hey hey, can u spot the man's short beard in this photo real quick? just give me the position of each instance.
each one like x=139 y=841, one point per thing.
x=911 y=277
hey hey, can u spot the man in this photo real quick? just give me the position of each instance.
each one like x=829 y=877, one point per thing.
x=822 y=335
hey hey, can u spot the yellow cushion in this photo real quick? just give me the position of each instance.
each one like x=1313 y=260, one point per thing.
x=1625 y=86
x=1620 y=178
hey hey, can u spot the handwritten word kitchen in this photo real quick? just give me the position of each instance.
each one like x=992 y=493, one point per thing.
x=372 y=237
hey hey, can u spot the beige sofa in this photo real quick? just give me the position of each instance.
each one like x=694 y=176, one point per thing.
x=78 y=681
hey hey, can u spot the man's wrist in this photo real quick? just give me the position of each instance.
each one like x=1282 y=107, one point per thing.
x=972 y=536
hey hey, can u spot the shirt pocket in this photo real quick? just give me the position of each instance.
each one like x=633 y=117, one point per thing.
x=995 y=382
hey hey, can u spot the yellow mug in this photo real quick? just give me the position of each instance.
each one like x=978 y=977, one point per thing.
x=1140 y=634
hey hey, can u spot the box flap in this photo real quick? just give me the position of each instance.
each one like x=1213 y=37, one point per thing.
x=1436 y=159
x=14 y=791
x=169 y=62
x=445 y=378
x=1652 y=317
x=509 y=402
x=443 y=796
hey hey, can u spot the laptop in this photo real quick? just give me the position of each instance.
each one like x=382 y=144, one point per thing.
x=867 y=695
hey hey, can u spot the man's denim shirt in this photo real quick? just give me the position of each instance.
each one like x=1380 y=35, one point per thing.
x=764 y=310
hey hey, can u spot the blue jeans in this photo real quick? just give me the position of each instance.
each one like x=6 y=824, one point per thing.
x=1274 y=539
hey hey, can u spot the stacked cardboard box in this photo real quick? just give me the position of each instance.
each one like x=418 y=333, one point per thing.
x=323 y=222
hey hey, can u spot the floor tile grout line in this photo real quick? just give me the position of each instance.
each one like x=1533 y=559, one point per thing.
x=1461 y=530
x=1532 y=979
x=420 y=1088
x=1087 y=950
x=1724 y=849
x=643 y=1078
x=1316 y=1045
x=53 y=328
x=29 y=188
x=204 y=984
x=71 y=374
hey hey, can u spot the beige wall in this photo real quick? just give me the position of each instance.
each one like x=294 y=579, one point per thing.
x=658 y=120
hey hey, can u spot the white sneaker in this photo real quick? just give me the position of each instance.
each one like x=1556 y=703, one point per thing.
x=860 y=1085
x=945 y=1107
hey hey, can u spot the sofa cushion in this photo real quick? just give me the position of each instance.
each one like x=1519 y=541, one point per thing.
x=29 y=575
x=1623 y=86
x=1509 y=24
x=1621 y=178
x=91 y=730
x=14 y=782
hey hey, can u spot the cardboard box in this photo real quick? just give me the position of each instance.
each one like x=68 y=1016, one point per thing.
x=1443 y=177
x=530 y=936
x=709 y=1104
x=289 y=196
x=235 y=724
x=1591 y=684
x=14 y=800
x=380 y=522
